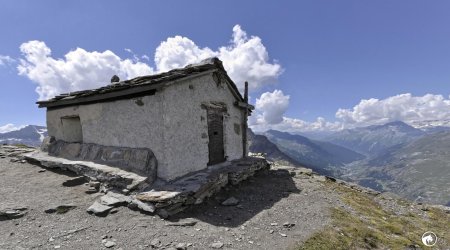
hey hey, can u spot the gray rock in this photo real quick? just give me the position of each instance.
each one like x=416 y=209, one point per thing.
x=61 y=209
x=181 y=246
x=12 y=213
x=230 y=202
x=109 y=244
x=144 y=206
x=217 y=245
x=288 y=225
x=98 y=209
x=94 y=184
x=91 y=190
x=183 y=223
x=155 y=243
x=114 y=199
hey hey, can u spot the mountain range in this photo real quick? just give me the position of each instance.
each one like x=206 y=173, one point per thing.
x=324 y=156
x=411 y=162
x=31 y=135
x=373 y=140
x=419 y=170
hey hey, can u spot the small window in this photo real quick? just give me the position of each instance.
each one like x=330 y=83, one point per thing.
x=71 y=129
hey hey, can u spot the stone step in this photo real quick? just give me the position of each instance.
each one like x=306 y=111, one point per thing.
x=112 y=176
x=177 y=195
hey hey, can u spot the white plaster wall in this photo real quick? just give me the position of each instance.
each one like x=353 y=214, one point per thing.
x=186 y=127
x=171 y=123
x=121 y=123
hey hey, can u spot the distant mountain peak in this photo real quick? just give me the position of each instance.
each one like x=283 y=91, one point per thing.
x=31 y=135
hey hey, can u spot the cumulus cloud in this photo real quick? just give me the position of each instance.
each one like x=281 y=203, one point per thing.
x=9 y=127
x=5 y=60
x=272 y=106
x=403 y=107
x=245 y=58
x=80 y=69
x=177 y=52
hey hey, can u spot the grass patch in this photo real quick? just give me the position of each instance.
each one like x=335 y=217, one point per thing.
x=369 y=226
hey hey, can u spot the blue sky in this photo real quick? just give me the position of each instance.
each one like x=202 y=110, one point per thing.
x=333 y=53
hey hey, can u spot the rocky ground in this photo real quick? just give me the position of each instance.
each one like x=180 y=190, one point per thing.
x=279 y=209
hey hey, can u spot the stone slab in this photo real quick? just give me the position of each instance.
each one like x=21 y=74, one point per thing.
x=113 y=176
x=138 y=160
x=171 y=198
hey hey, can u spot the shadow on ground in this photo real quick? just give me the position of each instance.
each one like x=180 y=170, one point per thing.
x=257 y=193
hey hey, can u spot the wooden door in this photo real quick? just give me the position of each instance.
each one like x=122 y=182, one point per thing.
x=215 y=134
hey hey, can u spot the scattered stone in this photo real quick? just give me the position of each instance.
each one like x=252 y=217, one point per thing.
x=217 y=245
x=61 y=209
x=230 y=202
x=155 y=243
x=283 y=235
x=51 y=239
x=94 y=184
x=274 y=224
x=12 y=213
x=288 y=225
x=271 y=231
x=320 y=178
x=144 y=206
x=184 y=223
x=99 y=209
x=181 y=246
x=114 y=199
x=91 y=190
x=109 y=244
x=41 y=170
x=57 y=246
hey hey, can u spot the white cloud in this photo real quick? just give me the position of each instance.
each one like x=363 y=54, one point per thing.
x=403 y=107
x=245 y=59
x=177 y=52
x=9 y=127
x=5 y=60
x=80 y=69
x=272 y=106
x=297 y=125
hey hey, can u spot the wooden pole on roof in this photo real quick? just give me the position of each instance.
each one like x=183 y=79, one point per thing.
x=245 y=126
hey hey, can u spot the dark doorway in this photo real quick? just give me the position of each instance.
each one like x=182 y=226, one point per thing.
x=215 y=134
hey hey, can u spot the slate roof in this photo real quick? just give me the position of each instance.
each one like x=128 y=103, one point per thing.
x=142 y=85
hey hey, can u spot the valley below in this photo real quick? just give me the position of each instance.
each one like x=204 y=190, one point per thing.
x=395 y=157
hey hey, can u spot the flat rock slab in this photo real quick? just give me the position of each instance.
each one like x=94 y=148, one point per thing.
x=113 y=176
x=60 y=209
x=114 y=199
x=144 y=206
x=174 y=197
x=230 y=202
x=98 y=209
x=182 y=223
x=12 y=213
